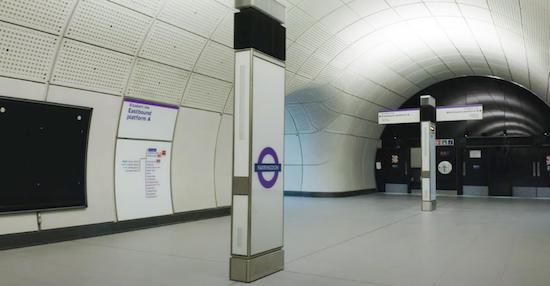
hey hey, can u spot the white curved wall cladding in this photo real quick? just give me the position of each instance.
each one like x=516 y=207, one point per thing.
x=297 y=22
x=319 y=115
x=101 y=151
x=223 y=172
x=344 y=171
x=229 y=104
x=108 y=25
x=290 y=128
x=351 y=60
x=151 y=80
x=26 y=53
x=22 y=89
x=313 y=67
x=198 y=16
x=147 y=7
x=193 y=160
x=47 y=16
x=171 y=45
x=206 y=93
x=301 y=120
x=89 y=67
x=293 y=150
x=216 y=61
x=224 y=32
x=296 y=56
x=338 y=155
x=140 y=48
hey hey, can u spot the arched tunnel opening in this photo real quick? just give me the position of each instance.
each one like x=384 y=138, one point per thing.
x=504 y=154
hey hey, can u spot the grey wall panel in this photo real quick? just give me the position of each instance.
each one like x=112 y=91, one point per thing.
x=543 y=192
x=193 y=160
x=475 y=191
x=101 y=152
x=396 y=188
x=524 y=192
x=224 y=162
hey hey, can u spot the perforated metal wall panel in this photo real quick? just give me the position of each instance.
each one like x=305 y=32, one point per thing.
x=229 y=105
x=198 y=16
x=173 y=46
x=149 y=7
x=217 y=61
x=47 y=16
x=26 y=53
x=224 y=33
x=157 y=81
x=89 y=67
x=298 y=22
x=106 y=24
x=206 y=93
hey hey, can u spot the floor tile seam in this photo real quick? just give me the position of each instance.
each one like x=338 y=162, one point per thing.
x=153 y=252
x=354 y=237
x=513 y=249
x=337 y=278
x=466 y=246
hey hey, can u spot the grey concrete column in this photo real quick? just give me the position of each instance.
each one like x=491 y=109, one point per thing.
x=427 y=142
x=258 y=138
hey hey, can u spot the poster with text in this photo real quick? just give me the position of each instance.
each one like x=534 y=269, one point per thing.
x=142 y=179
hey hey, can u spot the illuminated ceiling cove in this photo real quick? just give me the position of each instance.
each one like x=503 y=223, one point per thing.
x=384 y=51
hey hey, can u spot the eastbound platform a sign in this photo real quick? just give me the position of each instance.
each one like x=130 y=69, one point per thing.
x=140 y=119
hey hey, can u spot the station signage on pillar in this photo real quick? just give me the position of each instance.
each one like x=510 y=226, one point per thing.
x=258 y=138
x=427 y=115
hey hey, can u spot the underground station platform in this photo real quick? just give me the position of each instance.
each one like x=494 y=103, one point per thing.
x=275 y=142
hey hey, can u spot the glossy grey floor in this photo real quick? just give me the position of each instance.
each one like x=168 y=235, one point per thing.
x=367 y=240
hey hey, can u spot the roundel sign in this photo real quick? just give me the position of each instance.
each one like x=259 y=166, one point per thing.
x=268 y=167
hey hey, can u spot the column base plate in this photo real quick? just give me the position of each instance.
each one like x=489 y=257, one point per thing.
x=248 y=269
x=428 y=206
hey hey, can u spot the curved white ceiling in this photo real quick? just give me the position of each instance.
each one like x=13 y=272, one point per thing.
x=384 y=51
x=347 y=59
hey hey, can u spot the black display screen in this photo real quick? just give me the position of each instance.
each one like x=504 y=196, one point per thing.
x=43 y=161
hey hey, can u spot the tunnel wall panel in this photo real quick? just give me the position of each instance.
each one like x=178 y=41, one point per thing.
x=224 y=162
x=101 y=150
x=193 y=160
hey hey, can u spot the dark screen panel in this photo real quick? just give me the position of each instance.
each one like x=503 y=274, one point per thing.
x=254 y=29
x=44 y=148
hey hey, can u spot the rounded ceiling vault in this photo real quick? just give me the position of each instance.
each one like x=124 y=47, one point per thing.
x=403 y=46
x=352 y=58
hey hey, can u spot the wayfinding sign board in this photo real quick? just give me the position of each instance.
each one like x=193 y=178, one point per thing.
x=411 y=115
x=443 y=113
x=459 y=113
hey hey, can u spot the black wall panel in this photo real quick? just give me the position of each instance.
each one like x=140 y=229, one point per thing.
x=44 y=148
x=515 y=127
x=254 y=29
x=508 y=109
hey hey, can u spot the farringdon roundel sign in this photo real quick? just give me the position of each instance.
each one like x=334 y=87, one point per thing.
x=263 y=168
